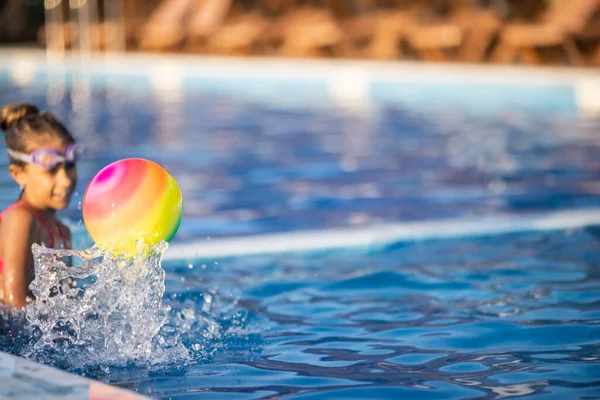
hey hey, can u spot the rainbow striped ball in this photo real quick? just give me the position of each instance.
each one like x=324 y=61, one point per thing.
x=132 y=200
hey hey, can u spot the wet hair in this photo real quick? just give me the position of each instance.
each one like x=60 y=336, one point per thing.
x=23 y=123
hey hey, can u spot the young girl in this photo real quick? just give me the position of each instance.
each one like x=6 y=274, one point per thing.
x=42 y=156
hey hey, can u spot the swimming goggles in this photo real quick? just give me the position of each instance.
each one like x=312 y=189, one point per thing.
x=47 y=158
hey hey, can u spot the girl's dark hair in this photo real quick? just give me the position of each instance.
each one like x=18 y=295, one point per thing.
x=24 y=122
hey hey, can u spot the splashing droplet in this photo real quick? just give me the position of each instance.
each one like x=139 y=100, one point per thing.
x=107 y=312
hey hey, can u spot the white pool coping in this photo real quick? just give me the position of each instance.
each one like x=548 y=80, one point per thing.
x=22 y=379
x=150 y=63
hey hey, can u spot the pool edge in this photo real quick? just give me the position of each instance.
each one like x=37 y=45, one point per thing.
x=23 y=378
x=374 y=236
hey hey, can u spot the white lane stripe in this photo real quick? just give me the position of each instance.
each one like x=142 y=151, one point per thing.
x=381 y=234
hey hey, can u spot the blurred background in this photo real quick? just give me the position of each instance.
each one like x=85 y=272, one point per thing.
x=547 y=32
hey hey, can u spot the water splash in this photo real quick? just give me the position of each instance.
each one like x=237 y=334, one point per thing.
x=108 y=311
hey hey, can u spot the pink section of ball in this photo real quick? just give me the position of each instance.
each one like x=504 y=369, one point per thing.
x=108 y=180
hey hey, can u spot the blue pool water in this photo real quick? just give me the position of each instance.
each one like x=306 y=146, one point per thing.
x=488 y=317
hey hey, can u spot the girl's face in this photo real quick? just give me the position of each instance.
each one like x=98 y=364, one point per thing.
x=47 y=188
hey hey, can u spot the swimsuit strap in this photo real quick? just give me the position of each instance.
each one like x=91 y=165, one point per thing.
x=63 y=238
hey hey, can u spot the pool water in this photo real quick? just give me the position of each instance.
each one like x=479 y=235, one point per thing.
x=487 y=317
x=482 y=317
x=255 y=168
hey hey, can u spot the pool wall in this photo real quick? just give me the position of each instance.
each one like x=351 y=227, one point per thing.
x=354 y=84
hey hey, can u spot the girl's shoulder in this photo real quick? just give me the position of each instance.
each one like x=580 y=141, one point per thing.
x=17 y=211
x=16 y=216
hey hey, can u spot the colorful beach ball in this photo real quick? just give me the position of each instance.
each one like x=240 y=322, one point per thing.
x=130 y=201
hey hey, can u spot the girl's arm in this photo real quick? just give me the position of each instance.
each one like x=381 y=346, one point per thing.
x=16 y=233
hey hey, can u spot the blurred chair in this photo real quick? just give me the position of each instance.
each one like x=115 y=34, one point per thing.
x=378 y=32
x=467 y=33
x=125 y=18
x=165 y=28
x=225 y=27
x=205 y=19
x=271 y=37
x=307 y=30
x=589 y=40
x=481 y=28
x=557 y=28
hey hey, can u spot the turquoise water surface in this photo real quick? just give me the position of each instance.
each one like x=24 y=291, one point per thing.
x=475 y=317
